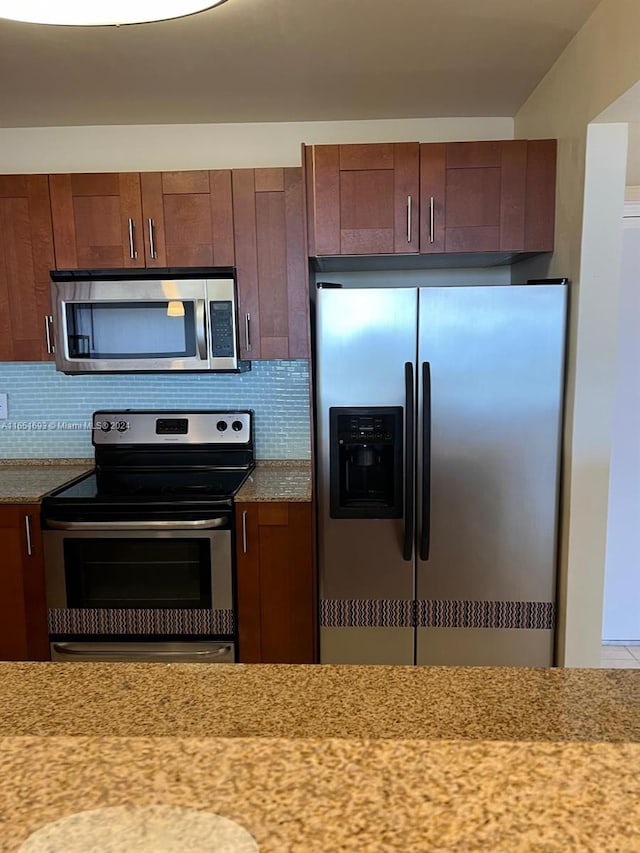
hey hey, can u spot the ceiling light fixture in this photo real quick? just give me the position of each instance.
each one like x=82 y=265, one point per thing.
x=80 y=13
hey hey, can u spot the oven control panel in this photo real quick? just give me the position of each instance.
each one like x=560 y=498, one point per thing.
x=157 y=428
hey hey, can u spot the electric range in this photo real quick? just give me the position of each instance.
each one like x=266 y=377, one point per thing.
x=139 y=553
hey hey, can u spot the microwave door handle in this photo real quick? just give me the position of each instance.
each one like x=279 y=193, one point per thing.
x=201 y=329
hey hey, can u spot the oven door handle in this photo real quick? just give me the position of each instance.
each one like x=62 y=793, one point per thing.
x=77 y=651
x=198 y=524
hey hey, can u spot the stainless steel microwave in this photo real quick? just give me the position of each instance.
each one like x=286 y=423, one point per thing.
x=115 y=321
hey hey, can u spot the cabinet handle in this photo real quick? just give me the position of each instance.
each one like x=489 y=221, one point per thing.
x=152 y=243
x=431 y=219
x=201 y=328
x=48 y=320
x=245 y=545
x=27 y=529
x=408 y=219
x=132 y=246
x=247 y=329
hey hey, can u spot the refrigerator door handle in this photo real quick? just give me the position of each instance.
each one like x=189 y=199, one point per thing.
x=409 y=469
x=425 y=521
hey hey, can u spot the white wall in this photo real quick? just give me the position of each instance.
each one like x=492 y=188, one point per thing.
x=621 y=618
x=215 y=146
x=600 y=64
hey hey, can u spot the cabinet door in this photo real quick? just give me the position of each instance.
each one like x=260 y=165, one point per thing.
x=26 y=257
x=23 y=620
x=365 y=199
x=269 y=227
x=188 y=219
x=276 y=583
x=487 y=196
x=97 y=221
x=540 y=195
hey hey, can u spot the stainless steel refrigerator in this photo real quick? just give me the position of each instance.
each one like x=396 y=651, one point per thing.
x=438 y=424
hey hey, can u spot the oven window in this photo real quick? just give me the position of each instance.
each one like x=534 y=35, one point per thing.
x=131 y=329
x=138 y=573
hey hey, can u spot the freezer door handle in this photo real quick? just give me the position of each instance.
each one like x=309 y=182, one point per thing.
x=425 y=521
x=409 y=469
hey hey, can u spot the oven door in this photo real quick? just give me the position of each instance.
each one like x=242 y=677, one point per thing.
x=108 y=580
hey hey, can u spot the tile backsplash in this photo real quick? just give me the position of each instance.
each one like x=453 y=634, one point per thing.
x=50 y=413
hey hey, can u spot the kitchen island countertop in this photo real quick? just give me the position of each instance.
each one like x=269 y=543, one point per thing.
x=297 y=701
x=323 y=796
x=326 y=758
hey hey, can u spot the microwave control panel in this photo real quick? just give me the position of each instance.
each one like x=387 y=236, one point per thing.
x=222 y=331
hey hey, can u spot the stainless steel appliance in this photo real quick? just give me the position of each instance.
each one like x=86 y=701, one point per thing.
x=139 y=553
x=145 y=320
x=438 y=414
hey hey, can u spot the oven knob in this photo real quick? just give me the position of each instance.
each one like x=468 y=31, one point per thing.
x=222 y=425
x=122 y=426
x=236 y=426
x=105 y=426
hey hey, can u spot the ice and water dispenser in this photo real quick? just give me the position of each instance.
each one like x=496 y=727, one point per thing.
x=366 y=462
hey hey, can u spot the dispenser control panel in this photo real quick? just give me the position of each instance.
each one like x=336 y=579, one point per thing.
x=361 y=428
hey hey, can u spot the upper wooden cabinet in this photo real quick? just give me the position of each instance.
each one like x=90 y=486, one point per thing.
x=252 y=219
x=363 y=198
x=156 y=219
x=23 y=614
x=271 y=260
x=26 y=257
x=188 y=218
x=431 y=198
x=487 y=196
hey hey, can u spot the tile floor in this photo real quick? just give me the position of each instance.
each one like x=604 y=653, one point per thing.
x=620 y=657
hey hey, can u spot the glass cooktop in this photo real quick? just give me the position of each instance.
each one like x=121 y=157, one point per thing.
x=154 y=486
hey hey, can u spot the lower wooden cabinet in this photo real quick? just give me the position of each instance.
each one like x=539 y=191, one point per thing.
x=23 y=614
x=276 y=585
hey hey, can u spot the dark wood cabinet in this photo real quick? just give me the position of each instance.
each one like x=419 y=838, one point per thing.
x=432 y=198
x=276 y=586
x=26 y=257
x=154 y=219
x=188 y=219
x=363 y=198
x=269 y=229
x=487 y=196
x=252 y=219
x=97 y=221
x=23 y=615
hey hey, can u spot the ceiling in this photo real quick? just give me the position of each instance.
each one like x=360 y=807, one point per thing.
x=288 y=60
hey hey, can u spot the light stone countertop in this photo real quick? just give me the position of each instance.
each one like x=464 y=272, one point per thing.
x=278 y=480
x=328 y=758
x=323 y=796
x=361 y=702
x=25 y=481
